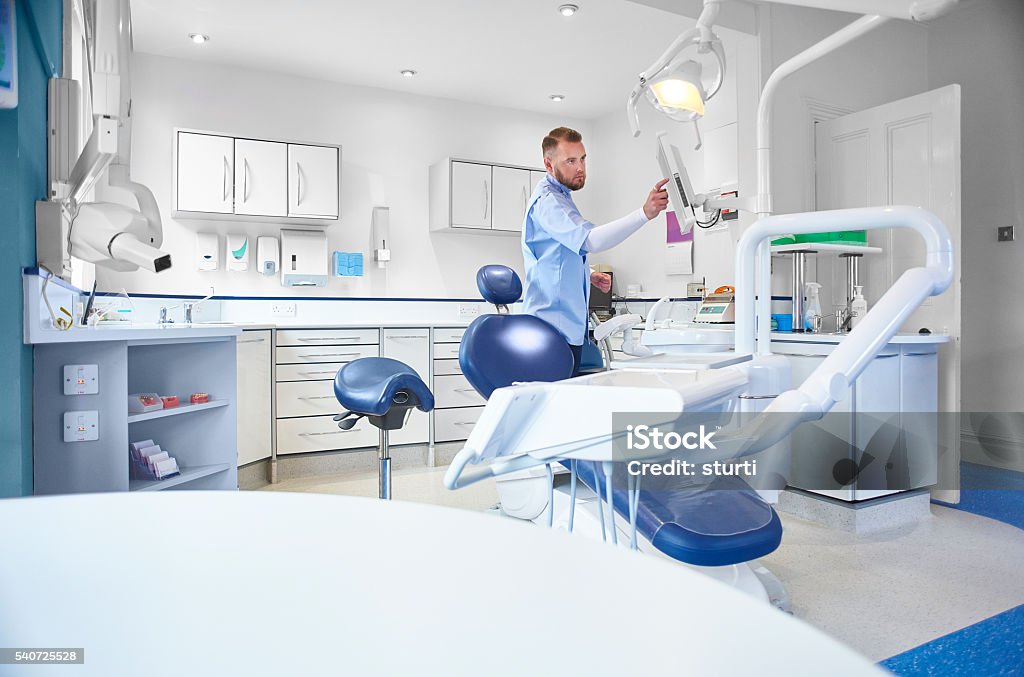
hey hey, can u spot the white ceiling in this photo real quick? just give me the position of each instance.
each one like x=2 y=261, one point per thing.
x=511 y=53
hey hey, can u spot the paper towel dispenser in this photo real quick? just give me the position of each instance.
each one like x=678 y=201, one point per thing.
x=303 y=258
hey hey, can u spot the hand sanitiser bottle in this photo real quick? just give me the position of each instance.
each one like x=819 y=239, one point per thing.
x=858 y=307
x=813 y=307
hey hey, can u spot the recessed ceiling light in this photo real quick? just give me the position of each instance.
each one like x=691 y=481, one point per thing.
x=568 y=10
x=198 y=38
x=557 y=97
x=408 y=73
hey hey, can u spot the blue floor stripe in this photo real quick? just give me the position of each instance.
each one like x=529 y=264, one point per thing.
x=994 y=646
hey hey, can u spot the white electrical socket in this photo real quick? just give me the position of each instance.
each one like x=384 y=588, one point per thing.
x=468 y=311
x=81 y=426
x=81 y=379
x=282 y=309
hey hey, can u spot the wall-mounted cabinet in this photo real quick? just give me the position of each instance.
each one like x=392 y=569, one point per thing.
x=480 y=197
x=218 y=176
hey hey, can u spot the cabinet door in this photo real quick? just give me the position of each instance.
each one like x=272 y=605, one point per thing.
x=471 y=195
x=877 y=438
x=919 y=418
x=411 y=346
x=205 y=171
x=261 y=178
x=254 y=396
x=535 y=178
x=313 y=186
x=510 y=192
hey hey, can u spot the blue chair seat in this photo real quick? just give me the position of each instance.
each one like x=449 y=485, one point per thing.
x=370 y=385
x=718 y=523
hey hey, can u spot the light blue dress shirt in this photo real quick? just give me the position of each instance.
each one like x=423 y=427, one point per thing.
x=557 y=275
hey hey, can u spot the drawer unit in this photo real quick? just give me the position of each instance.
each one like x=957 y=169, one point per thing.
x=306 y=398
x=320 y=433
x=455 y=424
x=323 y=354
x=447 y=367
x=446 y=351
x=455 y=391
x=449 y=334
x=313 y=337
x=324 y=371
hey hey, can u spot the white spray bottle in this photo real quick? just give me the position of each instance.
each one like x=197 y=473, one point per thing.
x=813 y=307
x=858 y=306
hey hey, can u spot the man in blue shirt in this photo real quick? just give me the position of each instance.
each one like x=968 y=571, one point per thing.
x=557 y=239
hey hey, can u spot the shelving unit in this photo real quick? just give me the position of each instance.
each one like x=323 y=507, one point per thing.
x=174 y=411
x=186 y=475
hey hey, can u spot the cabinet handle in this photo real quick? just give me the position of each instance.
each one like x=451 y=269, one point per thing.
x=487 y=198
x=333 y=432
x=314 y=373
x=465 y=390
x=329 y=355
x=525 y=198
x=245 y=180
x=257 y=340
x=885 y=357
x=402 y=337
x=227 y=169
x=317 y=397
x=343 y=338
x=465 y=423
x=298 y=175
x=919 y=354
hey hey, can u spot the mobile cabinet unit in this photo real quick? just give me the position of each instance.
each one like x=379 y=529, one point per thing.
x=457 y=405
x=411 y=346
x=221 y=176
x=255 y=396
x=200 y=437
x=307 y=362
x=883 y=432
x=480 y=197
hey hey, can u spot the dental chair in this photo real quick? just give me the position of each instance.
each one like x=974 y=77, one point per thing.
x=721 y=524
x=383 y=391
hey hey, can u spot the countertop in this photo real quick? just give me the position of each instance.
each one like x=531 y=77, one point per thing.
x=137 y=332
x=789 y=337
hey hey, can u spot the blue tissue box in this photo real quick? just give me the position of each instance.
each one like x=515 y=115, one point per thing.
x=348 y=264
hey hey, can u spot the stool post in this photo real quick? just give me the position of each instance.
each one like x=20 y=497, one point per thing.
x=384 y=472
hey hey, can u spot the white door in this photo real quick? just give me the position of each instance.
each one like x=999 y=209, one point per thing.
x=471 y=195
x=411 y=346
x=254 y=396
x=205 y=173
x=904 y=153
x=510 y=192
x=313 y=185
x=261 y=178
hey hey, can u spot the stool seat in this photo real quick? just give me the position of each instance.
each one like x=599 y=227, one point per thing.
x=373 y=385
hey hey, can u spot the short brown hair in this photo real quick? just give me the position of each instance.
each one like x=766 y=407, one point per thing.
x=557 y=134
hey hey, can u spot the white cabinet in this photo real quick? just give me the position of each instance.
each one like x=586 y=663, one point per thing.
x=511 y=191
x=479 y=197
x=411 y=346
x=205 y=173
x=313 y=173
x=471 y=195
x=261 y=178
x=255 y=393
x=457 y=406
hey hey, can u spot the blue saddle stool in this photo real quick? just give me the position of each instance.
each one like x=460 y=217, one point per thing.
x=383 y=391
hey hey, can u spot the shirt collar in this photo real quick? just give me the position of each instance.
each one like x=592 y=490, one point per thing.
x=556 y=184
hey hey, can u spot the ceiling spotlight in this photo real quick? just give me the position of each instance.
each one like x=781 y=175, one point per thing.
x=568 y=10
x=198 y=38
x=557 y=97
x=408 y=73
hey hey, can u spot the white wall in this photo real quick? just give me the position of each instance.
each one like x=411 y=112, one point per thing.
x=981 y=47
x=384 y=134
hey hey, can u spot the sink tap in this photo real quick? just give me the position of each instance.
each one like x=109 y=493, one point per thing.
x=190 y=307
x=163 y=315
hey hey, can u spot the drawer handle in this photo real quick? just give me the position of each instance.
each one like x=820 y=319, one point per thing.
x=317 y=397
x=465 y=423
x=314 y=373
x=465 y=390
x=329 y=355
x=259 y=340
x=333 y=432
x=410 y=336
x=340 y=338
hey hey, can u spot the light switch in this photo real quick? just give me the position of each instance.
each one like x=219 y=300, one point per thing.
x=81 y=426
x=81 y=379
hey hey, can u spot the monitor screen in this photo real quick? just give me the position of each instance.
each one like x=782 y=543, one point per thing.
x=599 y=300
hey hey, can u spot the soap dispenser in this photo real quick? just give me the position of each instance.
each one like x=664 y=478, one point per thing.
x=813 y=308
x=858 y=306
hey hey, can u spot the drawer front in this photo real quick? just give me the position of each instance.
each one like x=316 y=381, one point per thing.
x=449 y=335
x=455 y=391
x=325 y=371
x=447 y=367
x=445 y=351
x=306 y=398
x=455 y=424
x=319 y=433
x=314 y=337
x=332 y=354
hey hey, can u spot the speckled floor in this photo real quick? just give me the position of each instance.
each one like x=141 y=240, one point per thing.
x=882 y=594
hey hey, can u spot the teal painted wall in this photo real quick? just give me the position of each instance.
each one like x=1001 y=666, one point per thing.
x=22 y=182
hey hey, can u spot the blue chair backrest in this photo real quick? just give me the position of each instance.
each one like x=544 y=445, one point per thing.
x=499 y=350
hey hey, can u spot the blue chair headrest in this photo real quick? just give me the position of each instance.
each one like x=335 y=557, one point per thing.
x=499 y=285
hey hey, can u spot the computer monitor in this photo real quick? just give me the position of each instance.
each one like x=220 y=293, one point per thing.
x=600 y=302
x=680 y=191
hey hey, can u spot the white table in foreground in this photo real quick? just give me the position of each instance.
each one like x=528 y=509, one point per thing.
x=216 y=583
